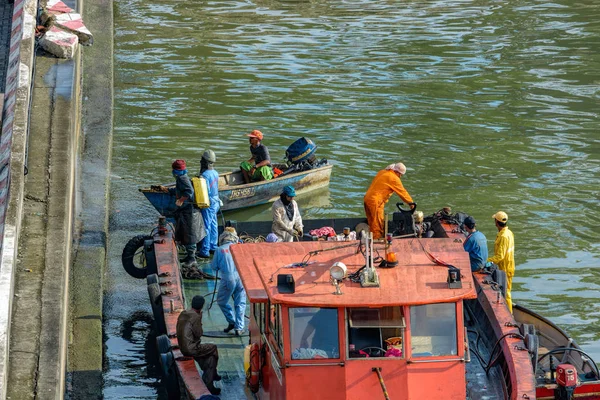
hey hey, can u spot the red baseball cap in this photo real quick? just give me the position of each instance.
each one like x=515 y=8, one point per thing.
x=179 y=165
x=256 y=134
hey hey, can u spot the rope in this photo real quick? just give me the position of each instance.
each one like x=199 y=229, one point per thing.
x=246 y=238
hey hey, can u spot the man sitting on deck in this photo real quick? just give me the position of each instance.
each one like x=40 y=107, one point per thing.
x=189 y=337
x=287 y=222
x=258 y=167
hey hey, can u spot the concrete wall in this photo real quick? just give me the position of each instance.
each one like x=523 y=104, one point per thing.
x=12 y=157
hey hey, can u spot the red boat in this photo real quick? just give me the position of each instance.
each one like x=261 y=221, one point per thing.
x=334 y=320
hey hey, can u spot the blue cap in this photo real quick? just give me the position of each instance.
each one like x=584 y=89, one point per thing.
x=289 y=191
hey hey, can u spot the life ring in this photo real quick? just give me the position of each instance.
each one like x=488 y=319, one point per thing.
x=133 y=257
x=252 y=364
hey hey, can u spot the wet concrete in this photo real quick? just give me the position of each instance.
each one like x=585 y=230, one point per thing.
x=86 y=348
x=37 y=354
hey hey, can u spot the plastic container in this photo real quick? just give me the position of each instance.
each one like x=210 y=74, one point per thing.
x=201 y=199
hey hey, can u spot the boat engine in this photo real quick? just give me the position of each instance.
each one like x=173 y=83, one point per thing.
x=566 y=380
x=301 y=150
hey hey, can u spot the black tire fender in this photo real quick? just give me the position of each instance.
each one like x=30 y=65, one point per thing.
x=169 y=375
x=152 y=278
x=527 y=329
x=132 y=259
x=155 y=295
x=532 y=342
x=499 y=277
x=163 y=344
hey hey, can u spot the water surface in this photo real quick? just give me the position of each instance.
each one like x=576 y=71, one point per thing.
x=491 y=105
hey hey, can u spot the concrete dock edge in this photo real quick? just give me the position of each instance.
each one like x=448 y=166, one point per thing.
x=16 y=109
x=86 y=347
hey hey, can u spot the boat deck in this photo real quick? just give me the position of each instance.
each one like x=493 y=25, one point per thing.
x=231 y=348
x=481 y=386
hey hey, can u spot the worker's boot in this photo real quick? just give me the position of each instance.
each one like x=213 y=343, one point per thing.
x=213 y=390
x=189 y=262
x=229 y=328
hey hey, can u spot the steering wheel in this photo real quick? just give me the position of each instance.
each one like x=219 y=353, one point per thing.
x=410 y=210
x=374 y=351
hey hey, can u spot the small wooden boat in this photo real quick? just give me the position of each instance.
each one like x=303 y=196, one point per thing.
x=427 y=328
x=236 y=194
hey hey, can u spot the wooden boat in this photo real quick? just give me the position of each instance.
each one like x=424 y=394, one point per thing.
x=409 y=336
x=235 y=194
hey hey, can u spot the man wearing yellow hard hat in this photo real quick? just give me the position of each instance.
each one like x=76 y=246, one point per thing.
x=504 y=252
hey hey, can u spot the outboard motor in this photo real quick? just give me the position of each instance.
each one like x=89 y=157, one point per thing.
x=566 y=379
x=301 y=150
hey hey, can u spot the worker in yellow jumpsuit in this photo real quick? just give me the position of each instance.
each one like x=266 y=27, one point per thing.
x=504 y=252
x=386 y=182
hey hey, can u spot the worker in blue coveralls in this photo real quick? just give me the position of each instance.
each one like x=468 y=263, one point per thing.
x=231 y=284
x=209 y=215
x=189 y=227
x=475 y=244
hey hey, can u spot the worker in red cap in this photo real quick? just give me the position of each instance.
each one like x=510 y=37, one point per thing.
x=504 y=252
x=189 y=228
x=386 y=182
x=258 y=167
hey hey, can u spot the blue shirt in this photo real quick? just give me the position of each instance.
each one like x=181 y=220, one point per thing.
x=223 y=262
x=476 y=245
x=212 y=181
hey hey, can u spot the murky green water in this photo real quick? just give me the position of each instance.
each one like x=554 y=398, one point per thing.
x=491 y=105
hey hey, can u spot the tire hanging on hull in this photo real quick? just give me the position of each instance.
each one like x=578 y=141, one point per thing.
x=155 y=295
x=133 y=257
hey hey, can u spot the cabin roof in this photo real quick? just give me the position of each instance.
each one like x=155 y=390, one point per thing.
x=416 y=280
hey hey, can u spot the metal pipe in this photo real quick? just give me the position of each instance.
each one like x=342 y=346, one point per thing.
x=377 y=370
x=338 y=364
x=434 y=361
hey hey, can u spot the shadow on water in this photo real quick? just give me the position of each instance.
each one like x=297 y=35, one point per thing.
x=132 y=353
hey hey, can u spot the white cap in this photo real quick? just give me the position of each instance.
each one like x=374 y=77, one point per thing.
x=398 y=167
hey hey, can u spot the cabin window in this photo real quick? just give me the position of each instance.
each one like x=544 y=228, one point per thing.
x=314 y=333
x=275 y=325
x=433 y=330
x=375 y=332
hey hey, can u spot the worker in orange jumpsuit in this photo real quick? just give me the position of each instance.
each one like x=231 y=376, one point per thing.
x=385 y=183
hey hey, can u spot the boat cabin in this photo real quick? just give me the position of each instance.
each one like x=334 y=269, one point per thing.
x=323 y=332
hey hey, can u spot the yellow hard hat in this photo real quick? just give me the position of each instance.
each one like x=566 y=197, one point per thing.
x=500 y=216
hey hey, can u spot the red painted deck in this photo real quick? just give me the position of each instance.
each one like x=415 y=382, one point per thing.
x=172 y=298
x=416 y=280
